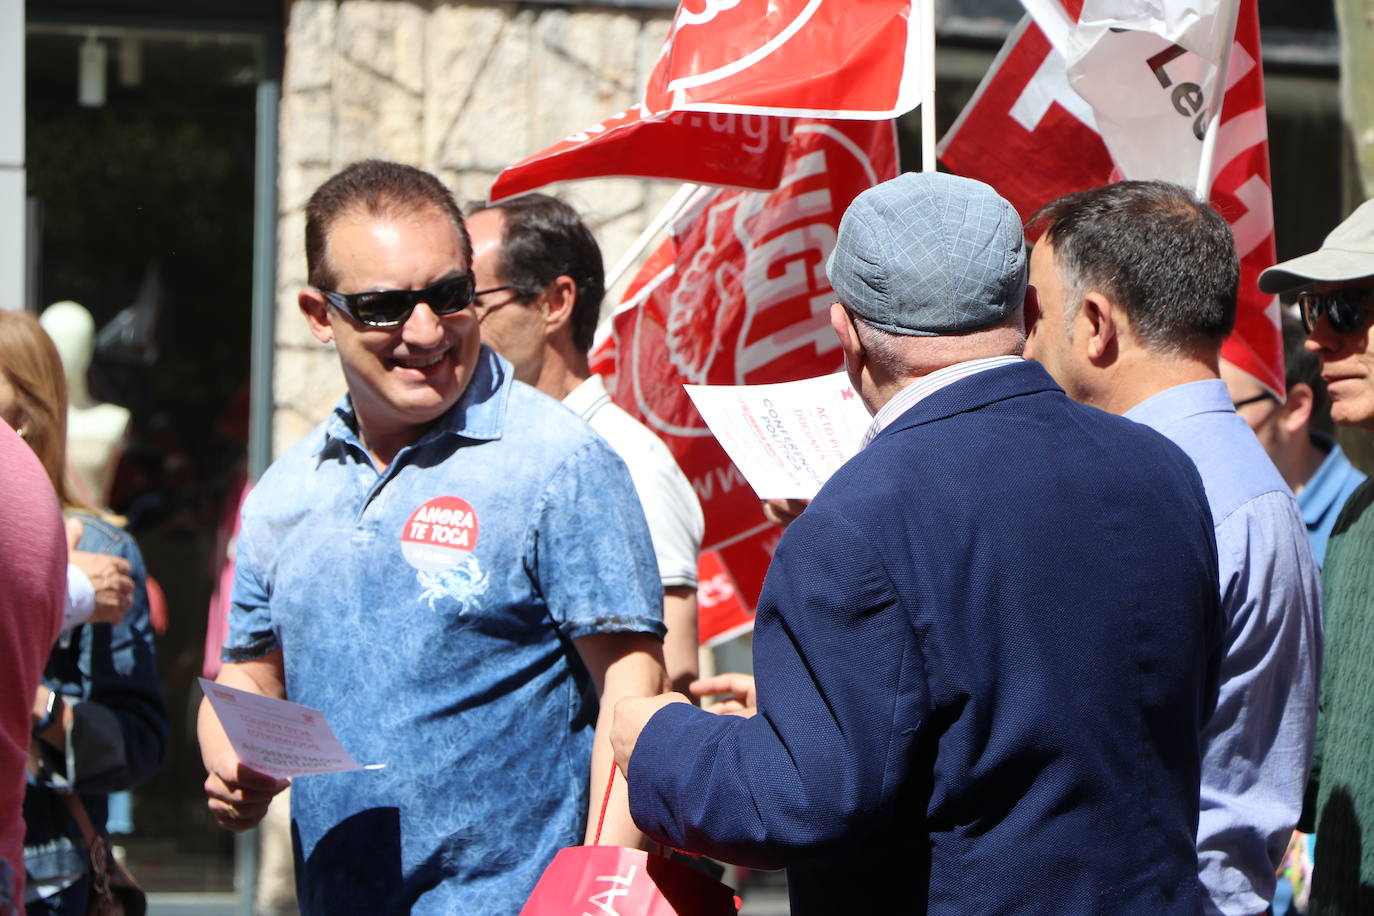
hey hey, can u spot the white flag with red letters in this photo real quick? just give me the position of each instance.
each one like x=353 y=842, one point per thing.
x=1033 y=137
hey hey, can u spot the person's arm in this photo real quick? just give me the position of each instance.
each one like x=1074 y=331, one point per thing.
x=621 y=665
x=1266 y=711
x=109 y=578
x=52 y=717
x=735 y=690
x=594 y=565
x=106 y=727
x=842 y=701
x=100 y=586
x=680 y=645
x=238 y=795
x=783 y=512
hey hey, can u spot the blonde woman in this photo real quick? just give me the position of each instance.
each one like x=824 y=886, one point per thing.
x=99 y=721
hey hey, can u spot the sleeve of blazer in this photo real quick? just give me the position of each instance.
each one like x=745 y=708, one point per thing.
x=842 y=696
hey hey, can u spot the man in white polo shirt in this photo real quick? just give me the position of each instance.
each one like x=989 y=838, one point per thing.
x=540 y=284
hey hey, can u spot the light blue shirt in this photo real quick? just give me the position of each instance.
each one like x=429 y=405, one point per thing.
x=430 y=612
x=1258 y=742
x=1325 y=494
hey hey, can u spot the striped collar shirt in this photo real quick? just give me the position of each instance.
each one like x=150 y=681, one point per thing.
x=927 y=385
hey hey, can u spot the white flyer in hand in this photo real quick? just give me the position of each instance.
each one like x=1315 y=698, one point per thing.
x=277 y=737
x=788 y=438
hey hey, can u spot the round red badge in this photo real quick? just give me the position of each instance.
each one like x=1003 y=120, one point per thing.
x=440 y=534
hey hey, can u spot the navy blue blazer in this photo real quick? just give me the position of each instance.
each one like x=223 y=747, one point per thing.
x=984 y=655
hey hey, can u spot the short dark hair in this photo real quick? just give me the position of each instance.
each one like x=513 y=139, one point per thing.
x=378 y=188
x=1167 y=258
x=1303 y=367
x=542 y=238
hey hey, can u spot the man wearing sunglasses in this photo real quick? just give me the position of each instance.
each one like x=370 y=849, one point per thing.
x=540 y=285
x=1136 y=286
x=453 y=568
x=1335 y=295
x=1295 y=433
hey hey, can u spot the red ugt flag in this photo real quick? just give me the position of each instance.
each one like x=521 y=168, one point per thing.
x=727 y=77
x=731 y=150
x=1027 y=133
x=810 y=58
x=738 y=295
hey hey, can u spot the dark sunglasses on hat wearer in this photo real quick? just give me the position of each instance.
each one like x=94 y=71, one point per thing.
x=1345 y=261
x=1346 y=309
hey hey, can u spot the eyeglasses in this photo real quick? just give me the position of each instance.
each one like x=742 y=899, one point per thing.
x=494 y=289
x=391 y=307
x=483 y=310
x=1254 y=399
x=1344 y=309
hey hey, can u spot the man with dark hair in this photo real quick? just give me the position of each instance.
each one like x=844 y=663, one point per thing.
x=985 y=650
x=539 y=291
x=1335 y=292
x=1136 y=289
x=452 y=589
x=1296 y=434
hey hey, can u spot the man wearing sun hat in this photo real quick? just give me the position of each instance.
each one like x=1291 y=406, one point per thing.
x=1335 y=292
x=985 y=650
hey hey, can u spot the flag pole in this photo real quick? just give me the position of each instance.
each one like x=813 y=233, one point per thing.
x=656 y=225
x=927 y=14
x=1214 y=108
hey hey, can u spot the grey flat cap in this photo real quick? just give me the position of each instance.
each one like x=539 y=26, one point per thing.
x=930 y=254
x=1347 y=254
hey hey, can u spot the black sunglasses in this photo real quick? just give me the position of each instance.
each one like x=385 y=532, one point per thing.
x=391 y=307
x=1344 y=309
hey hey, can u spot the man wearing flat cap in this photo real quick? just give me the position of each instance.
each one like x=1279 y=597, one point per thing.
x=1335 y=294
x=985 y=651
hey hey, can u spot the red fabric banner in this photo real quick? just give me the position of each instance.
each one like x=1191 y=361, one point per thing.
x=732 y=150
x=1030 y=136
x=738 y=295
x=807 y=58
x=716 y=107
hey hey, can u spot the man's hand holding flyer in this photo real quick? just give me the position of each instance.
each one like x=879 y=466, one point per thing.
x=278 y=737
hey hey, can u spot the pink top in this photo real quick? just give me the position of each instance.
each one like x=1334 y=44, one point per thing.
x=33 y=585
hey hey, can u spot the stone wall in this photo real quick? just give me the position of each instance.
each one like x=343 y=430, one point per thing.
x=459 y=89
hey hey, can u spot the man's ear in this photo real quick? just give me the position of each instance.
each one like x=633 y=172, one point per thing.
x=558 y=300
x=1030 y=310
x=1099 y=321
x=848 y=336
x=1030 y=320
x=1297 y=408
x=316 y=312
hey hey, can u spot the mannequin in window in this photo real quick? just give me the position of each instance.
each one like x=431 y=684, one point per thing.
x=96 y=432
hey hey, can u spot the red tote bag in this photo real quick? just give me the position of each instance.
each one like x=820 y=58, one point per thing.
x=619 y=881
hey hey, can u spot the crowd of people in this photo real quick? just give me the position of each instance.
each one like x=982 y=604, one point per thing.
x=1052 y=641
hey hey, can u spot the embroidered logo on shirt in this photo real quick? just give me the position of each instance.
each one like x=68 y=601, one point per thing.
x=438 y=540
x=464 y=583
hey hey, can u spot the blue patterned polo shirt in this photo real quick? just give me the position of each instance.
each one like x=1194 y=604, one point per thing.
x=430 y=611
